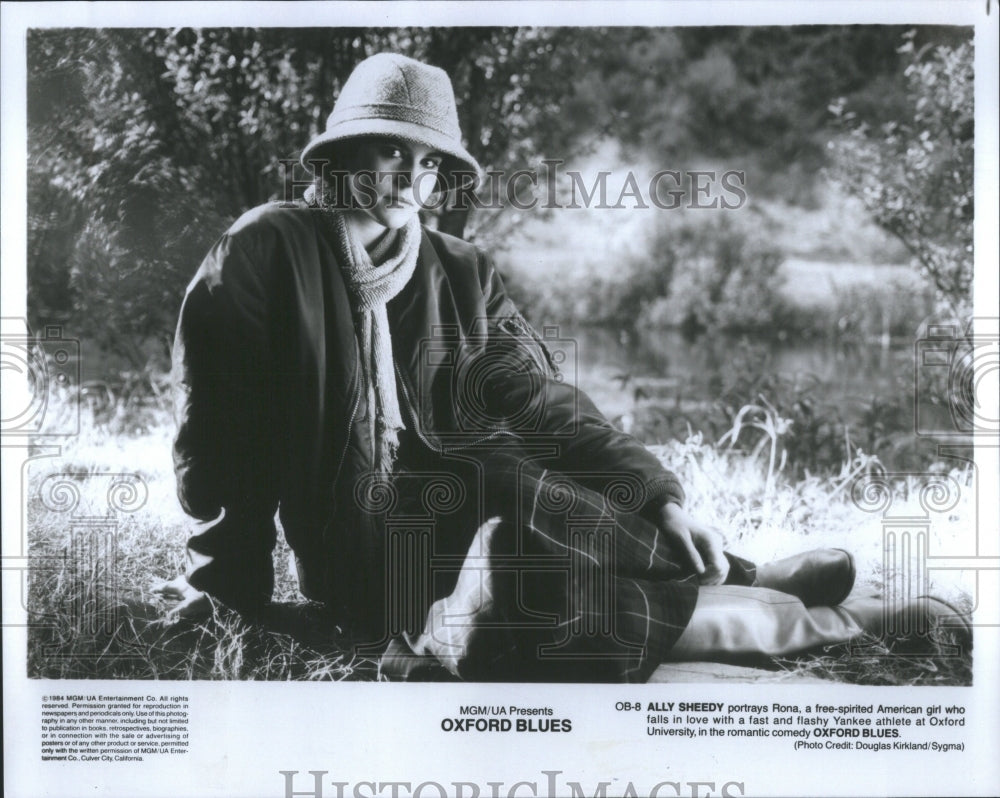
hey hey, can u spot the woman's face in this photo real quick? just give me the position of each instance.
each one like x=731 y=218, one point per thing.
x=390 y=179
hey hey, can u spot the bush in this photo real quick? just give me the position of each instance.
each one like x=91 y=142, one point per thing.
x=705 y=276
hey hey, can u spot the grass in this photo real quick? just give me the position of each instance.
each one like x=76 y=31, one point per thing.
x=104 y=526
x=901 y=662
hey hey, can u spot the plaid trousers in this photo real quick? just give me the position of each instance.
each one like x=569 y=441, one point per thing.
x=501 y=569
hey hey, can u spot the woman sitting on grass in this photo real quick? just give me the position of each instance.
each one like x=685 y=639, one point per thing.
x=445 y=492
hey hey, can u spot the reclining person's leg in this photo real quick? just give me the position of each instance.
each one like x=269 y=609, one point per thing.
x=733 y=622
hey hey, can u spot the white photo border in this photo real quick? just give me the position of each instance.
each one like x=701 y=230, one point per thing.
x=245 y=734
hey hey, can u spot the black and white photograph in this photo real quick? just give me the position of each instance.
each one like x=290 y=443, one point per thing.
x=566 y=382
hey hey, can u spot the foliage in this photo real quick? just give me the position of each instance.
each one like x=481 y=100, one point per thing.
x=759 y=94
x=819 y=435
x=841 y=302
x=790 y=420
x=725 y=278
x=145 y=144
x=915 y=176
x=135 y=218
x=709 y=274
x=781 y=411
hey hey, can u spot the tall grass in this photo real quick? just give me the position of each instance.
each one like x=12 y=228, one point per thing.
x=823 y=421
x=95 y=550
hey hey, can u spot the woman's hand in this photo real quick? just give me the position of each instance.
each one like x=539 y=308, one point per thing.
x=193 y=604
x=701 y=545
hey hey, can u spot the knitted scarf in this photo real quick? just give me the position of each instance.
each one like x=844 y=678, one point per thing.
x=372 y=280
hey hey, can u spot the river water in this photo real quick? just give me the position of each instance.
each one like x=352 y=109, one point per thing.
x=620 y=371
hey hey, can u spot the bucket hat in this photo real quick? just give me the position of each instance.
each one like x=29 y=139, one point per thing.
x=395 y=96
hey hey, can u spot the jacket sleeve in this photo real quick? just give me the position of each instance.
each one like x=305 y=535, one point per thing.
x=223 y=452
x=526 y=388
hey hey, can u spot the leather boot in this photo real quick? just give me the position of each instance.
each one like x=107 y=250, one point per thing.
x=819 y=577
x=884 y=617
x=731 y=622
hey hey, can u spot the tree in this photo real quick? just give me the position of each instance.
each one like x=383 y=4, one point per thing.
x=915 y=175
x=741 y=92
x=145 y=144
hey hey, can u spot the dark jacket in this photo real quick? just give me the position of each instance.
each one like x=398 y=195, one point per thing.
x=266 y=369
